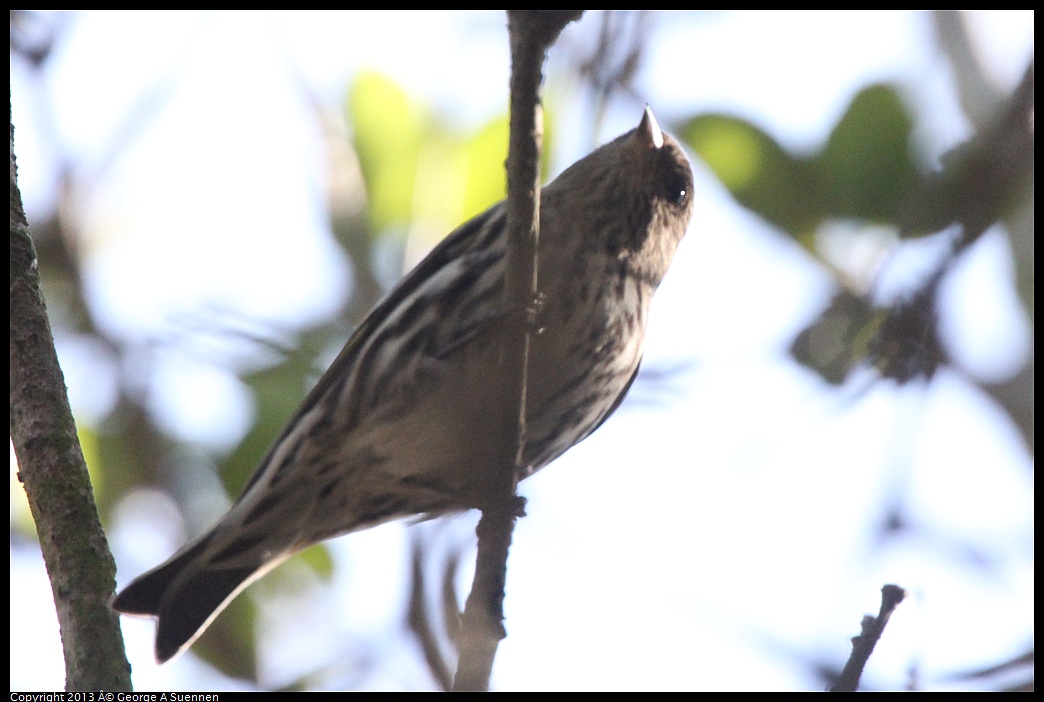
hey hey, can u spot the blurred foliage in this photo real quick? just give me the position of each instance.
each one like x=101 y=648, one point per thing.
x=867 y=166
x=867 y=172
x=864 y=171
x=759 y=173
x=416 y=166
x=390 y=131
x=839 y=339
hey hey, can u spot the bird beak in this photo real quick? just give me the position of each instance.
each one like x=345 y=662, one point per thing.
x=649 y=131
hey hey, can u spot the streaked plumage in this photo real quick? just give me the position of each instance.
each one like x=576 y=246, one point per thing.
x=399 y=424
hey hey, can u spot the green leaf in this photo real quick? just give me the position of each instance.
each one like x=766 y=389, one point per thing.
x=319 y=560
x=389 y=130
x=866 y=167
x=485 y=178
x=485 y=153
x=864 y=171
x=759 y=173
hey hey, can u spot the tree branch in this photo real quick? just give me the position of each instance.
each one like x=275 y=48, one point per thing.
x=51 y=467
x=863 y=645
x=532 y=32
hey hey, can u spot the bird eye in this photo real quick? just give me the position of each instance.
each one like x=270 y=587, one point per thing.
x=674 y=187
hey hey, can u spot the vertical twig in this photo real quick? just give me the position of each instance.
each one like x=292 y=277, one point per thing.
x=863 y=645
x=52 y=469
x=532 y=32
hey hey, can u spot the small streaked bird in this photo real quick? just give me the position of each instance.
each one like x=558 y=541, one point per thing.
x=401 y=423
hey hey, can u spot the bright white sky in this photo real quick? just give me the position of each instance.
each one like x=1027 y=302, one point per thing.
x=714 y=527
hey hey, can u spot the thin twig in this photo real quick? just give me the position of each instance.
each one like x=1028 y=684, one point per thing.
x=532 y=32
x=863 y=645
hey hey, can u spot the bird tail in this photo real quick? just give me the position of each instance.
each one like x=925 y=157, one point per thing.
x=186 y=593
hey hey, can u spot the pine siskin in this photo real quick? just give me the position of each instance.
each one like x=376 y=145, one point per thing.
x=400 y=423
